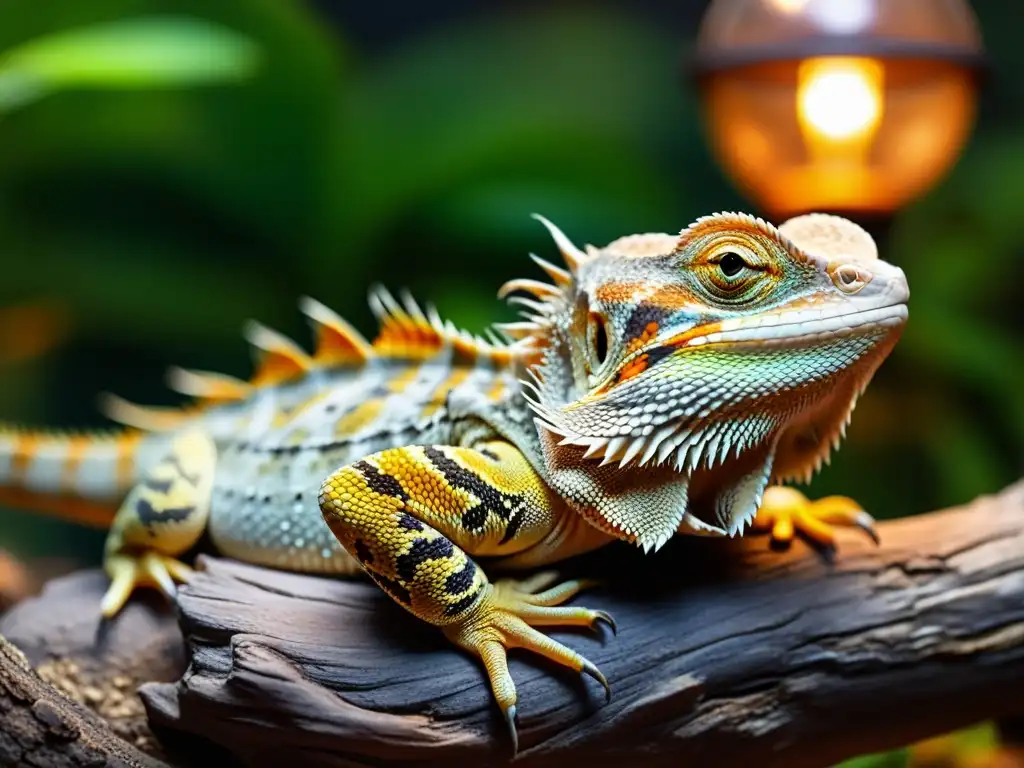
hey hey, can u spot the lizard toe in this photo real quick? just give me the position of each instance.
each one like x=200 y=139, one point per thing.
x=786 y=513
x=147 y=570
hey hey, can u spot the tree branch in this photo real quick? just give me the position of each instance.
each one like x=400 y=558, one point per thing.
x=727 y=653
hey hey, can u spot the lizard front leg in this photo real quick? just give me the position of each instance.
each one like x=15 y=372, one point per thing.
x=785 y=511
x=162 y=517
x=413 y=515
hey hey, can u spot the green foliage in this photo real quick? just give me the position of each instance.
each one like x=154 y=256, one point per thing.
x=129 y=53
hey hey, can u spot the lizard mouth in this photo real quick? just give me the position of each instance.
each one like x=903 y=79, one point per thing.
x=806 y=326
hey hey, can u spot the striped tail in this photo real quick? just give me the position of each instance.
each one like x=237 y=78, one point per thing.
x=78 y=477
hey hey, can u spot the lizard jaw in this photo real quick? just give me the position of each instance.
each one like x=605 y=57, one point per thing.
x=806 y=326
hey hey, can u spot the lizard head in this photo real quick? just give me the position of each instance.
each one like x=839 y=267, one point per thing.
x=673 y=377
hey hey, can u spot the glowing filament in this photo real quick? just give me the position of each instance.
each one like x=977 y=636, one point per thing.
x=839 y=100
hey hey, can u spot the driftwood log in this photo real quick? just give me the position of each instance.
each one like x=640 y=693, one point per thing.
x=727 y=654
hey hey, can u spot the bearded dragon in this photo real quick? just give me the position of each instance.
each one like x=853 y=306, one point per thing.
x=660 y=384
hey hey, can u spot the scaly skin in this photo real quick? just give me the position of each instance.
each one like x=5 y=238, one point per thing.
x=657 y=386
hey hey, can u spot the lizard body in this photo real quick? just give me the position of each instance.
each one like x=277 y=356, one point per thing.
x=656 y=386
x=275 y=441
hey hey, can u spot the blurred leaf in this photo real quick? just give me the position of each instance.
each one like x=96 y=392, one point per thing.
x=215 y=192
x=128 y=53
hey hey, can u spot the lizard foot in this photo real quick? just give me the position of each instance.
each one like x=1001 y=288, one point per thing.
x=161 y=518
x=148 y=569
x=505 y=618
x=785 y=511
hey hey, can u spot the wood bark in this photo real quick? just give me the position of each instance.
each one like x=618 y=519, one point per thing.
x=40 y=726
x=727 y=653
x=97 y=664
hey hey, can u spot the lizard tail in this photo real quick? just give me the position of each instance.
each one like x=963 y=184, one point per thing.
x=78 y=477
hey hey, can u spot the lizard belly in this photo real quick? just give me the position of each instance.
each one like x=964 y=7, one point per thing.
x=271 y=516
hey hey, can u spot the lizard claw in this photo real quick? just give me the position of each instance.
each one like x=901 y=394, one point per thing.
x=510 y=719
x=607 y=619
x=594 y=672
x=506 y=617
x=866 y=523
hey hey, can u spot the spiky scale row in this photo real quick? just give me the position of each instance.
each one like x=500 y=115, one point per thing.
x=730 y=220
x=562 y=278
x=148 y=418
x=691 y=449
x=406 y=332
x=207 y=386
x=279 y=359
x=337 y=342
x=536 y=287
x=573 y=256
x=532 y=330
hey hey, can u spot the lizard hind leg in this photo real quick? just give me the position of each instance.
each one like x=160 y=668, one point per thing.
x=786 y=512
x=412 y=515
x=161 y=518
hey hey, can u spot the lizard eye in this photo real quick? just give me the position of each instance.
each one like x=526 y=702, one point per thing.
x=732 y=273
x=731 y=264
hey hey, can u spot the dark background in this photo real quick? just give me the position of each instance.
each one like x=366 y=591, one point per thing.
x=143 y=220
